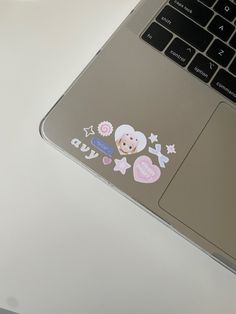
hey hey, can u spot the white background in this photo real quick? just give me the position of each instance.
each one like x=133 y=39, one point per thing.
x=69 y=244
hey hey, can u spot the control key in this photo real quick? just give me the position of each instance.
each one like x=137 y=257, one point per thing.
x=180 y=52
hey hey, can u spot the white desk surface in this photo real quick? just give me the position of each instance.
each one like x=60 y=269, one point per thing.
x=70 y=244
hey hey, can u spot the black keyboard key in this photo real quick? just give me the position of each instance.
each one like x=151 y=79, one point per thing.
x=193 y=9
x=225 y=83
x=157 y=36
x=233 y=41
x=220 y=52
x=226 y=8
x=180 y=52
x=221 y=28
x=185 y=28
x=209 y=3
x=232 y=67
x=202 y=67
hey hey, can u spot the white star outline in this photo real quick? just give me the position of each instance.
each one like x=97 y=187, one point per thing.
x=89 y=131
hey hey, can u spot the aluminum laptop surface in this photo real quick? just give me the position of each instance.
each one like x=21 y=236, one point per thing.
x=158 y=125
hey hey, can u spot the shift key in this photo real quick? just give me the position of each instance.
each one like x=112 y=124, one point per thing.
x=185 y=28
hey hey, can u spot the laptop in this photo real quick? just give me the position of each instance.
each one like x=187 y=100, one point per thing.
x=154 y=116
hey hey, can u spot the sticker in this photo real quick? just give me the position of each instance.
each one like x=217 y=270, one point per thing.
x=92 y=155
x=76 y=142
x=153 y=138
x=105 y=128
x=89 y=131
x=106 y=160
x=121 y=165
x=163 y=160
x=84 y=149
x=105 y=148
x=129 y=141
x=171 y=149
x=145 y=171
x=147 y=168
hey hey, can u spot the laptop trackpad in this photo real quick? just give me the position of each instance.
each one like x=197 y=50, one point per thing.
x=203 y=195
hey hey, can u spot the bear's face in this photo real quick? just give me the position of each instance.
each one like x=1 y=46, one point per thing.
x=128 y=144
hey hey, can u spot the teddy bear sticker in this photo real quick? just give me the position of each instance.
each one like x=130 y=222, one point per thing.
x=129 y=141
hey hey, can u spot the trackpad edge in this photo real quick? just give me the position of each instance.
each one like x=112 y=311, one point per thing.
x=202 y=193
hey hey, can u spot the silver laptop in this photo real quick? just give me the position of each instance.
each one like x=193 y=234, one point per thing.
x=154 y=116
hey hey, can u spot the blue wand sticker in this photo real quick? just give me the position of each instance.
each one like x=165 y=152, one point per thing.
x=102 y=146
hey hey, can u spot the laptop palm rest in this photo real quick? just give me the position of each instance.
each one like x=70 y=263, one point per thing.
x=202 y=194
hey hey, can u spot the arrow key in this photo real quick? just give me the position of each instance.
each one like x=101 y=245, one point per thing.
x=180 y=52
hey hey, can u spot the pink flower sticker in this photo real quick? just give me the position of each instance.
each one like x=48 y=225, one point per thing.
x=105 y=128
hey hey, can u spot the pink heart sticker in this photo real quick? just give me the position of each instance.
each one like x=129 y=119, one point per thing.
x=106 y=160
x=145 y=171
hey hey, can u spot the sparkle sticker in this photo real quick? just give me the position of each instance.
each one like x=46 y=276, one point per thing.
x=121 y=165
x=89 y=131
x=102 y=146
x=171 y=149
x=129 y=141
x=145 y=171
x=105 y=128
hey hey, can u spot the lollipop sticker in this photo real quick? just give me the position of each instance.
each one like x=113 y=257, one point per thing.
x=105 y=128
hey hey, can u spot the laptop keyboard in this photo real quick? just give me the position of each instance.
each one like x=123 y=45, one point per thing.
x=201 y=37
